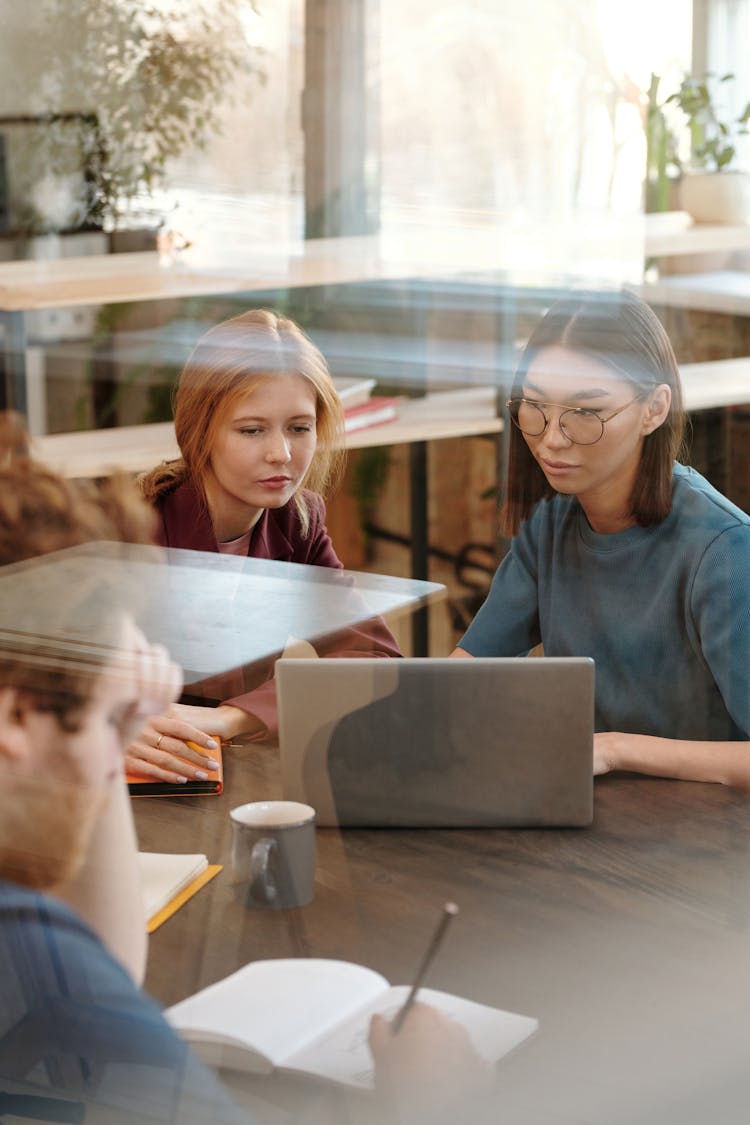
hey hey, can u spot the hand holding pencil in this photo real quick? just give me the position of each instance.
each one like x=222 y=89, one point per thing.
x=425 y=1062
x=450 y=910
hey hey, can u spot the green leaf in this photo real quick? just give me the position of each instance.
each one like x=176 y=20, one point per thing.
x=725 y=157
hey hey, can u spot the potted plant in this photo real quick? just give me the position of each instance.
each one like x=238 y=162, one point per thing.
x=662 y=160
x=712 y=189
x=147 y=80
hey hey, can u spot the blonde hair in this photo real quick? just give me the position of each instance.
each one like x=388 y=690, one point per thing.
x=229 y=362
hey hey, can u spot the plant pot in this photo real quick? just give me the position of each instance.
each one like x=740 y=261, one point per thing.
x=716 y=197
x=127 y=239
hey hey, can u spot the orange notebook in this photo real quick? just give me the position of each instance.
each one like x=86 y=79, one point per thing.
x=152 y=787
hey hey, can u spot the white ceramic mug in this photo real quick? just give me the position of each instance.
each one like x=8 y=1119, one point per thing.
x=273 y=852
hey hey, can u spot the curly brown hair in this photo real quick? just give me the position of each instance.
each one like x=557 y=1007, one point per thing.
x=54 y=647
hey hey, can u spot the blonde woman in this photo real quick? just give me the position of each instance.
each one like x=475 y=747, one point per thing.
x=260 y=430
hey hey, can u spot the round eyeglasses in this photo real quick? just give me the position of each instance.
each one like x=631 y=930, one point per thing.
x=577 y=423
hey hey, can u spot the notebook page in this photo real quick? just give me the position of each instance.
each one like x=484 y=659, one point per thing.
x=343 y=1055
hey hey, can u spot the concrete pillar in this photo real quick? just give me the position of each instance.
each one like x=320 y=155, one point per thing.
x=340 y=118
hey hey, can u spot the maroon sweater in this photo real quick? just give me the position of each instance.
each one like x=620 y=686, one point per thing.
x=184 y=522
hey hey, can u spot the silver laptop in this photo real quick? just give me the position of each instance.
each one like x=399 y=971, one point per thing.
x=420 y=743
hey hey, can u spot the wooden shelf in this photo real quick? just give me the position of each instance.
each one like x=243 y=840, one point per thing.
x=723 y=291
x=134 y=449
x=673 y=233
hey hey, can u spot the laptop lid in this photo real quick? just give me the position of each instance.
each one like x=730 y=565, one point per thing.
x=437 y=742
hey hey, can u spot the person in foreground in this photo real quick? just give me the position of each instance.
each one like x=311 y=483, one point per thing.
x=620 y=553
x=260 y=429
x=76 y=680
x=65 y=815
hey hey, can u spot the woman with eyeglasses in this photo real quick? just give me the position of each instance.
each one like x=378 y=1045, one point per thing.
x=619 y=552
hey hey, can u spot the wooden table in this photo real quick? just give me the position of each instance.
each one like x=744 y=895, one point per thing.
x=630 y=941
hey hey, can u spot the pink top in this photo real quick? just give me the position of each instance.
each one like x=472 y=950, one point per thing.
x=236 y=546
x=184 y=522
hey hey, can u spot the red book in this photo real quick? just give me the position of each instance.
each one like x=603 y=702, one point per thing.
x=371 y=413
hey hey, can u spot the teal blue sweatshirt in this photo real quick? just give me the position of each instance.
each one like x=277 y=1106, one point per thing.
x=664 y=611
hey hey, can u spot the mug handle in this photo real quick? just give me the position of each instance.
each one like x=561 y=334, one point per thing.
x=260 y=875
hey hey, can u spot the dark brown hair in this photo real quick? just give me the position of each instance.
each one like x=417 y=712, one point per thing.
x=229 y=361
x=619 y=330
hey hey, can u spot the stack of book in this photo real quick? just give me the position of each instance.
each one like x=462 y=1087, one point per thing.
x=168 y=881
x=361 y=408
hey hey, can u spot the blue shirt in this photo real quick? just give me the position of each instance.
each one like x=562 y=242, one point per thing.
x=73 y=1025
x=664 y=611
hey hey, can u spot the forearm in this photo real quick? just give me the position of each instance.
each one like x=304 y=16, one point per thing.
x=727 y=763
x=235 y=721
x=370 y=638
x=106 y=890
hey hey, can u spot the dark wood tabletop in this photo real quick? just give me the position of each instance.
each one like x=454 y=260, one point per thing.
x=629 y=940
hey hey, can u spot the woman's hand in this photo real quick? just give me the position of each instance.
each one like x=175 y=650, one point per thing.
x=163 y=743
x=724 y=762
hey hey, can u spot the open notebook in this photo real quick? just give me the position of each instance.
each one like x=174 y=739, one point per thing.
x=312 y=1016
